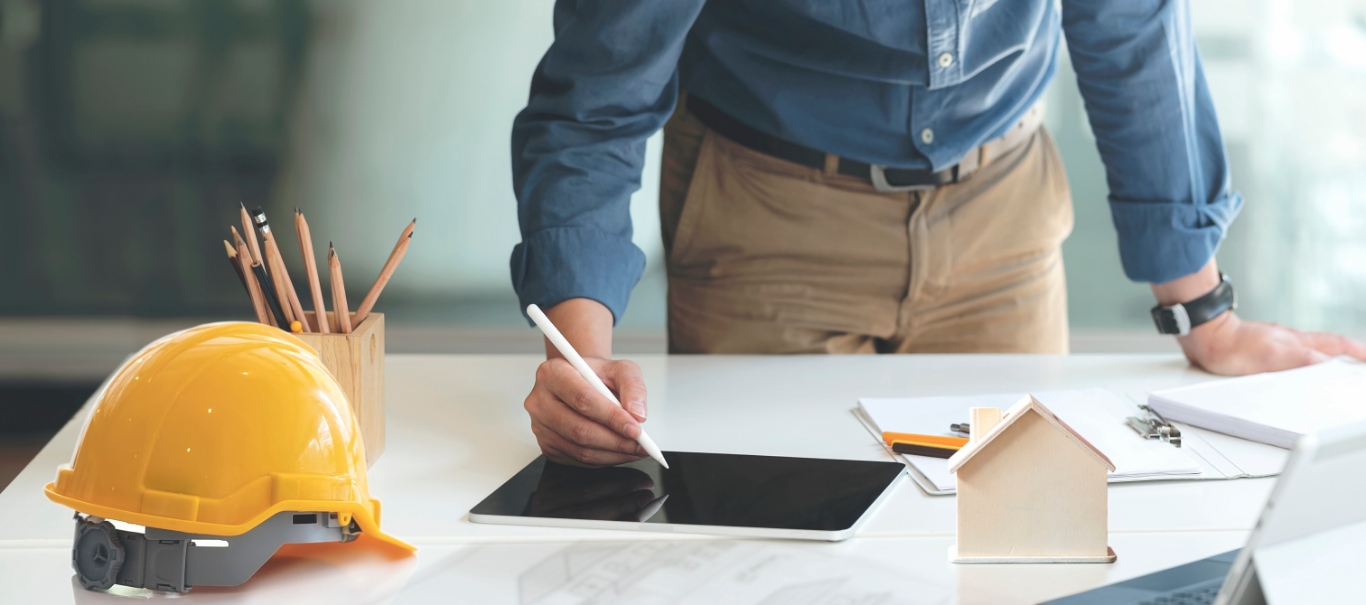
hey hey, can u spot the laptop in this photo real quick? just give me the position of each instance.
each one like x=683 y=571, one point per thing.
x=1321 y=488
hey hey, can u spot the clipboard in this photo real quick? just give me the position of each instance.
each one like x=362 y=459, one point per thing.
x=1098 y=414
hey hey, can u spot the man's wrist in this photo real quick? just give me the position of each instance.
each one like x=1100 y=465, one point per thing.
x=1205 y=339
x=586 y=324
x=1185 y=303
x=1223 y=322
x=1188 y=288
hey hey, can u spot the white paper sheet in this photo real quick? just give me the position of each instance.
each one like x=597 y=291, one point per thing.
x=694 y=572
x=1273 y=408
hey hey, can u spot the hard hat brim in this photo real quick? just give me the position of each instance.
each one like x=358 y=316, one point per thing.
x=368 y=524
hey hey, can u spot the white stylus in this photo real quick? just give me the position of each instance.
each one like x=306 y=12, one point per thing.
x=572 y=356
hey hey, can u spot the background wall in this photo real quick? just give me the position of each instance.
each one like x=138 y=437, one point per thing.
x=421 y=127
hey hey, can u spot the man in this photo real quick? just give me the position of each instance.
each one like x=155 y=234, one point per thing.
x=862 y=177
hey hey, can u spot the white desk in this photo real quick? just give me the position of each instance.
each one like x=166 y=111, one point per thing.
x=457 y=430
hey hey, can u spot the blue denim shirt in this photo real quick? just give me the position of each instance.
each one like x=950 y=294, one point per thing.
x=870 y=80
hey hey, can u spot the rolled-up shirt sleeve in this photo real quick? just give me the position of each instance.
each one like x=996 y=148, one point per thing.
x=608 y=82
x=1140 y=75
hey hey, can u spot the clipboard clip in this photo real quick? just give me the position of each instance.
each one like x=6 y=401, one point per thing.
x=1152 y=425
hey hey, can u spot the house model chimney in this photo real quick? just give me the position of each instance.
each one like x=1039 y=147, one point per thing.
x=983 y=420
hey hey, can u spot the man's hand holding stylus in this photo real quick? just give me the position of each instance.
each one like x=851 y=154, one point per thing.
x=573 y=423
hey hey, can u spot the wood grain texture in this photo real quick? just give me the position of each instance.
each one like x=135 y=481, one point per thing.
x=341 y=312
x=315 y=289
x=356 y=361
x=1034 y=492
x=983 y=420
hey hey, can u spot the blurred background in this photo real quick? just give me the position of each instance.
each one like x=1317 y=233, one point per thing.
x=131 y=129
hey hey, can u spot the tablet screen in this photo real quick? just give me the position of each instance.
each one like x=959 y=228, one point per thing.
x=726 y=490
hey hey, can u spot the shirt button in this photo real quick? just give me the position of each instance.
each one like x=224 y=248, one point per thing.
x=927 y=136
x=945 y=60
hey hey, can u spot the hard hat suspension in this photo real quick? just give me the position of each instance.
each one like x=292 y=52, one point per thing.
x=171 y=561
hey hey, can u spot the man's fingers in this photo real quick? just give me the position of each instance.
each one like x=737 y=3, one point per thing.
x=1310 y=356
x=563 y=451
x=582 y=432
x=576 y=425
x=1332 y=345
x=566 y=384
x=579 y=430
x=1287 y=355
x=629 y=384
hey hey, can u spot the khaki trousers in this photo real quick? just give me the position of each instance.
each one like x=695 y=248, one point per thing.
x=767 y=256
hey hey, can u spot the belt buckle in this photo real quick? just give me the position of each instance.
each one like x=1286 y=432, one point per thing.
x=877 y=174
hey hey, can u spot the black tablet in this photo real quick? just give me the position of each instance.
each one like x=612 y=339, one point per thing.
x=727 y=494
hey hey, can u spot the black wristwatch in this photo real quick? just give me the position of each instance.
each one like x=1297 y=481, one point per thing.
x=1180 y=318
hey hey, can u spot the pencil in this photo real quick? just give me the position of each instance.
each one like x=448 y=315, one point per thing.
x=278 y=287
x=236 y=268
x=258 y=298
x=311 y=270
x=251 y=236
x=284 y=287
x=937 y=440
x=916 y=449
x=339 y=308
x=387 y=272
x=272 y=299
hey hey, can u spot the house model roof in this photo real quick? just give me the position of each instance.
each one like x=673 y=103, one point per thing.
x=1016 y=412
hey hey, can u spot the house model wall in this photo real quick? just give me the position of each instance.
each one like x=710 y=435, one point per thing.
x=1030 y=490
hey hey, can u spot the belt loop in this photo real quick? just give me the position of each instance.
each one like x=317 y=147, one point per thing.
x=832 y=164
x=969 y=164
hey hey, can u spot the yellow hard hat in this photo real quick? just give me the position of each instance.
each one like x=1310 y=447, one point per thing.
x=213 y=431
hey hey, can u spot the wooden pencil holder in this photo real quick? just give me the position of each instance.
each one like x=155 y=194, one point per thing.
x=356 y=360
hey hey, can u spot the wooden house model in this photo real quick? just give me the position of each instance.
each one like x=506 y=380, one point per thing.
x=1030 y=490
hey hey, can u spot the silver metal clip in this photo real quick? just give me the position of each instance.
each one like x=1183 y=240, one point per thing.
x=1153 y=426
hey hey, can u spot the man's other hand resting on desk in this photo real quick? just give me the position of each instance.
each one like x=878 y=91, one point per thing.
x=573 y=423
x=1232 y=346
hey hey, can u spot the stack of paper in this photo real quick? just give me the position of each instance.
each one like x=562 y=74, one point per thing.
x=1273 y=408
x=1096 y=414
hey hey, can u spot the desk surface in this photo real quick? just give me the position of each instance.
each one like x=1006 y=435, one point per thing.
x=457 y=430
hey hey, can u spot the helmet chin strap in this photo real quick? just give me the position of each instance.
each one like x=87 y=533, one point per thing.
x=174 y=561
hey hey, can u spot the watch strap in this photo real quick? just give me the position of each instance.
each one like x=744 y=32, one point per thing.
x=1180 y=318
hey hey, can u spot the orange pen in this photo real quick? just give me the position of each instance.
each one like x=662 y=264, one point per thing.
x=930 y=440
